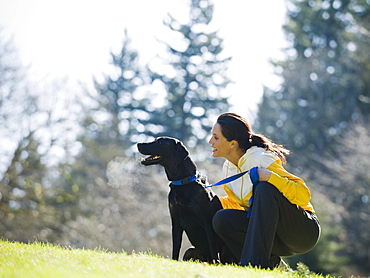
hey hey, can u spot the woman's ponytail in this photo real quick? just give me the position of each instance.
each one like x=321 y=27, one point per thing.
x=262 y=141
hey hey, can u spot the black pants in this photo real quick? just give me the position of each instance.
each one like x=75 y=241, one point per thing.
x=275 y=228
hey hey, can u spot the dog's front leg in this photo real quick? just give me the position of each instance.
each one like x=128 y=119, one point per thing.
x=211 y=236
x=177 y=232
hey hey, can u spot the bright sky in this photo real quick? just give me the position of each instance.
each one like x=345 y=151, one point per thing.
x=73 y=38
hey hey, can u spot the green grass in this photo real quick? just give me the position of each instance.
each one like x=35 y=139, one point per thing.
x=46 y=260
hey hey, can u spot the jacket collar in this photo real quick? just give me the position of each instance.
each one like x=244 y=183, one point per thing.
x=247 y=154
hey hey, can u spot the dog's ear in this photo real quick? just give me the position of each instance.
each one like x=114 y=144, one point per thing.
x=181 y=152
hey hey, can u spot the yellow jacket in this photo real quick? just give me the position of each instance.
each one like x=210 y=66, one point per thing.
x=240 y=190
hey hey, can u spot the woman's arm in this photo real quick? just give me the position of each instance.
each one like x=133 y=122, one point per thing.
x=292 y=187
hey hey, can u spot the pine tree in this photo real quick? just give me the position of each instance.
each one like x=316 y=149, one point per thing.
x=324 y=93
x=326 y=81
x=118 y=97
x=108 y=132
x=194 y=81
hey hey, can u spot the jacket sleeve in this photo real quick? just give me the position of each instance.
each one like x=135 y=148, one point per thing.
x=292 y=187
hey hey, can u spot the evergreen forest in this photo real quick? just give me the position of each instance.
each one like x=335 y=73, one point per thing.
x=70 y=172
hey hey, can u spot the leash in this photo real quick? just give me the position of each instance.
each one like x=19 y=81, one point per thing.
x=229 y=179
x=254 y=178
x=226 y=180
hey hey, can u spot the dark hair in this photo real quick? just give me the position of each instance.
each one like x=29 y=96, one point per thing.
x=235 y=127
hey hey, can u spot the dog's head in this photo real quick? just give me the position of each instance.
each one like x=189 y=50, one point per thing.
x=163 y=150
x=171 y=154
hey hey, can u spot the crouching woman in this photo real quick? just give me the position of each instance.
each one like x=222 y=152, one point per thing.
x=267 y=214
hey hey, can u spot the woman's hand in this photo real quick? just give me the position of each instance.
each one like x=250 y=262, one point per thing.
x=264 y=174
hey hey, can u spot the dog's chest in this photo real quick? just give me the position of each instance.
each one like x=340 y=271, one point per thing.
x=194 y=195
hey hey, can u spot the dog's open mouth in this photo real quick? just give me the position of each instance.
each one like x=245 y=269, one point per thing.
x=153 y=159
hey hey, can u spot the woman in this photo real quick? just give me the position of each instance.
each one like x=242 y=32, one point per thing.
x=282 y=221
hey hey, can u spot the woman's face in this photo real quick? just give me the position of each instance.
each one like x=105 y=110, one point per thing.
x=221 y=147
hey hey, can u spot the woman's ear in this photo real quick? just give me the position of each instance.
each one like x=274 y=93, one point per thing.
x=234 y=144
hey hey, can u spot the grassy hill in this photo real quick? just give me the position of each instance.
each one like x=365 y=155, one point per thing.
x=46 y=260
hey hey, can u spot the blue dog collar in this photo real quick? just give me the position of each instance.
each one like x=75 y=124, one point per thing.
x=185 y=180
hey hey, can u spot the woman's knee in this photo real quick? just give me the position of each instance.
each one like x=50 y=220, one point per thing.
x=227 y=221
x=265 y=188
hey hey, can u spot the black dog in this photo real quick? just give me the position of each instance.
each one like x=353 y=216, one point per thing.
x=192 y=206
